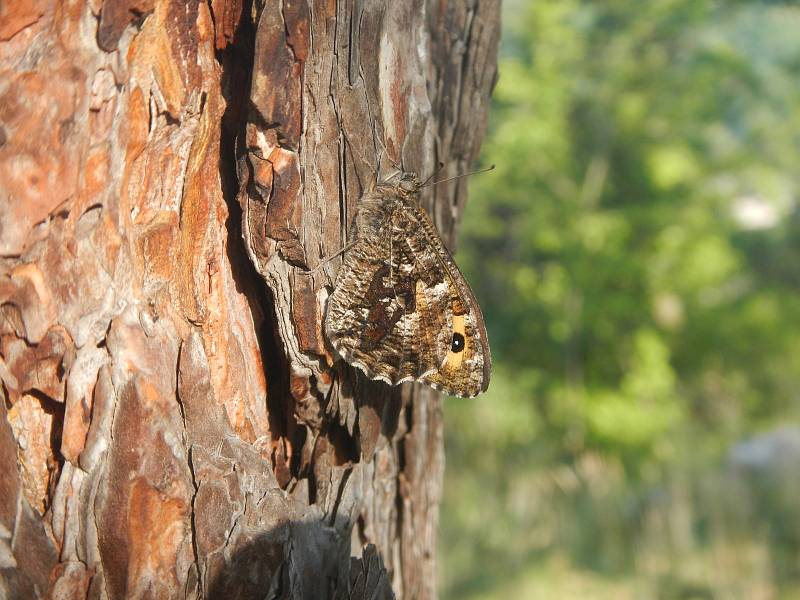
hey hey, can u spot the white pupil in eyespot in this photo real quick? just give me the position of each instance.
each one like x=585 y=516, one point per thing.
x=457 y=345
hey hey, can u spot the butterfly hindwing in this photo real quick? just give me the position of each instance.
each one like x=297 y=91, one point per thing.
x=373 y=318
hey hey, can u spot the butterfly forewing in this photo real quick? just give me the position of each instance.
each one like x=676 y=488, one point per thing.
x=400 y=309
x=466 y=367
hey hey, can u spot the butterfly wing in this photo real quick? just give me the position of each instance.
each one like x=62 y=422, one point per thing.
x=386 y=316
x=401 y=310
x=466 y=365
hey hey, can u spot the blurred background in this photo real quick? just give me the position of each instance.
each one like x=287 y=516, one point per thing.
x=637 y=257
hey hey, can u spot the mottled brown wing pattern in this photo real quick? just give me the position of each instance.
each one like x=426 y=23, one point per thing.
x=373 y=318
x=400 y=309
x=466 y=367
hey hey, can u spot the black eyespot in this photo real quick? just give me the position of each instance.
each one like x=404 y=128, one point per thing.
x=457 y=344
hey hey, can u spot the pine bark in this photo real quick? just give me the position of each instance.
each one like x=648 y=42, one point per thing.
x=173 y=423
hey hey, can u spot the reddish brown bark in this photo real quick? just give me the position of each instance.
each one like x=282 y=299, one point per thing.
x=173 y=424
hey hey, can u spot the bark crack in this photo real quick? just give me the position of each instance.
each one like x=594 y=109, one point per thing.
x=465 y=62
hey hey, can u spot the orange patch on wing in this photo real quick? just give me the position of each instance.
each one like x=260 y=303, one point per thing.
x=454 y=359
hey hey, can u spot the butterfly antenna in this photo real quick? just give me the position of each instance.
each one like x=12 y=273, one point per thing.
x=489 y=168
x=434 y=174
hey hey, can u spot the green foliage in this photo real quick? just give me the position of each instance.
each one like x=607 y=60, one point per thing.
x=637 y=257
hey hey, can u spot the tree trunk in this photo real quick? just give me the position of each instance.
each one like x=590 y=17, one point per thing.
x=173 y=422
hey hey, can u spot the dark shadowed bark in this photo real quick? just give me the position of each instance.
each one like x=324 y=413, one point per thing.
x=173 y=423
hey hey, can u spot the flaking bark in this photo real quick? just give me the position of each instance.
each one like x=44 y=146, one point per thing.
x=173 y=425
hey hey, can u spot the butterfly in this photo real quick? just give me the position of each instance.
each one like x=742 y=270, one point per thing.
x=400 y=309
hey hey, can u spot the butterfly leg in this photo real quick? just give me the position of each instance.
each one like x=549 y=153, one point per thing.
x=325 y=261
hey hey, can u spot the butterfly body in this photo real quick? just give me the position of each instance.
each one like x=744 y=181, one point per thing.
x=401 y=309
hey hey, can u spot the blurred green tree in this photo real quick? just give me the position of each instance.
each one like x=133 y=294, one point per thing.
x=636 y=254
